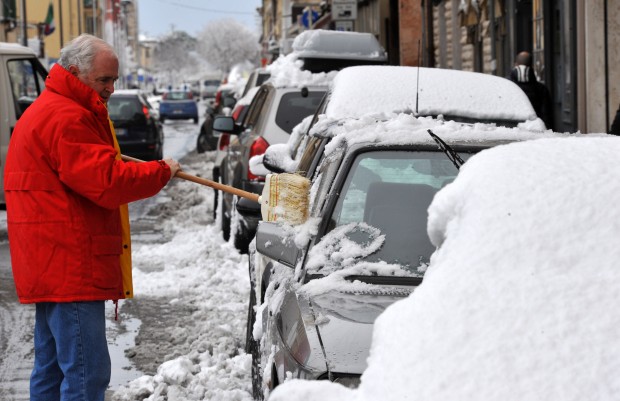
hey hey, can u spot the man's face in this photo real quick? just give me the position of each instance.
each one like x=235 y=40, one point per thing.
x=102 y=75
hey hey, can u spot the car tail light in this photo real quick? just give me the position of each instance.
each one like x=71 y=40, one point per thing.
x=190 y=95
x=224 y=141
x=218 y=98
x=236 y=112
x=145 y=110
x=258 y=148
x=164 y=96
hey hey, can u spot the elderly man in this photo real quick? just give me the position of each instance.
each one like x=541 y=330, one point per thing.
x=66 y=193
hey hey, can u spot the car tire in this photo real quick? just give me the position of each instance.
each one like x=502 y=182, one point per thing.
x=241 y=235
x=225 y=221
x=195 y=120
x=250 y=342
x=257 y=372
x=216 y=194
x=202 y=144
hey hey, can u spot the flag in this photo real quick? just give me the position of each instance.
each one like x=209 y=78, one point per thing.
x=49 y=20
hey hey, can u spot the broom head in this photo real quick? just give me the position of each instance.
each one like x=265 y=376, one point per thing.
x=285 y=198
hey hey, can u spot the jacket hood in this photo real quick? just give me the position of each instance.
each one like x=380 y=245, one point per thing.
x=62 y=82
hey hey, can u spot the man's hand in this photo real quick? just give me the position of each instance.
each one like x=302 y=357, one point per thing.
x=174 y=166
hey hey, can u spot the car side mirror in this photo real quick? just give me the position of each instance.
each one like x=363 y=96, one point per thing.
x=277 y=243
x=248 y=208
x=226 y=124
x=273 y=158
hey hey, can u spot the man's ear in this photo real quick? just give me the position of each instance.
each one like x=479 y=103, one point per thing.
x=74 y=70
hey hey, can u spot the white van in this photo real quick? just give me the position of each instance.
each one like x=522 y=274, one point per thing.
x=22 y=79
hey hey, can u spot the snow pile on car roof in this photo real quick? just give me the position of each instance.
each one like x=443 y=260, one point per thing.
x=326 y=44
x=286 y=71
x=361 y=90
x=404 y=129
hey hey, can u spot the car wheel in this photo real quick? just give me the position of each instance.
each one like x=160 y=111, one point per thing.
x=216 y=194
x=195 y=120
x=225 y=221
x=257 y=372
x=241 y=235
x=202 y=144
x=250 y=342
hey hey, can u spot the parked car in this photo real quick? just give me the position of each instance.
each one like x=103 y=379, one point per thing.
x=519 y=299
x=209 y=88
x=223 y=104
x=373 y=175
x=257 y=77
x=178 y=105
x=271 y=117
x=238 y=114
x=316 y=58
x=138 y=129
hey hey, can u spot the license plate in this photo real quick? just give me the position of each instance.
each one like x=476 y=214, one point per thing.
x=177 y=112
x=121 y=131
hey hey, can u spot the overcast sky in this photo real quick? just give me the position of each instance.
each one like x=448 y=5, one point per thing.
x=157 y=17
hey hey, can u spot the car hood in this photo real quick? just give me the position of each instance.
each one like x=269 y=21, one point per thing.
x=343 y=324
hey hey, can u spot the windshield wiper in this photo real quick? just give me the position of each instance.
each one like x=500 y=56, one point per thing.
x=451 y=153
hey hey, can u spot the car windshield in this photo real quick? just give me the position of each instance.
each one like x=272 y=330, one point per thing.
x=391 y=191
x=178 y=95
x=123 y=107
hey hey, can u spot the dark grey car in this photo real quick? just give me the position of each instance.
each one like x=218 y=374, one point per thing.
x=371 y=203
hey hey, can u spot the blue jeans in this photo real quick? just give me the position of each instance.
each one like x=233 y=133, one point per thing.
x=71 y=357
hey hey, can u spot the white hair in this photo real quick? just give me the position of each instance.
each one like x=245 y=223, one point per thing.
x=81 y=52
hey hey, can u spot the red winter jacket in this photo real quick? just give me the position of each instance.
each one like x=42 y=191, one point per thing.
x=63 y=191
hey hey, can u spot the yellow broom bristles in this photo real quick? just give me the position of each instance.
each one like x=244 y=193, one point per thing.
x=285 y=198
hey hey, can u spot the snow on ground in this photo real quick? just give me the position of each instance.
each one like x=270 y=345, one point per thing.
x=194 y=267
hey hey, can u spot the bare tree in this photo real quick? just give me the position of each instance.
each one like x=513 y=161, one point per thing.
x=225 y=43
x=173 y=52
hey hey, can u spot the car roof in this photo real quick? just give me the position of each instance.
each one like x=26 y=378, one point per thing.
x=361 y=90
x=328 y=44
x=127 y=92
x=405 y=129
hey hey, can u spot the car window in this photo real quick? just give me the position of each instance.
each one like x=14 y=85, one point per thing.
x=26 y=82
x=391 y=191
x=255 y=108
x=294 y=107
x=123 y=107
x=177 y=96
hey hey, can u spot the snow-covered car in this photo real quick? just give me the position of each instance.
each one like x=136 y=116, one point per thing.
x=238 y=114
x=519 y=300
x=178 y=105
x=373 y=175
x=379 y=91
x=271 y=116
x=317 y=56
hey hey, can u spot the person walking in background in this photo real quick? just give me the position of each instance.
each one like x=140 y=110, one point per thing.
x=523 y=75
x=615 y=125
x=66 y=194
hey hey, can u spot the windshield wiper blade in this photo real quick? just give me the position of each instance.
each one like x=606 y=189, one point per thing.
x=451 y=153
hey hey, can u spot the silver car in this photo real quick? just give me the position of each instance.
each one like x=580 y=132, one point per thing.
x=271 y=117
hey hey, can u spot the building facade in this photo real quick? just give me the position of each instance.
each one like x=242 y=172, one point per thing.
x=572 y=43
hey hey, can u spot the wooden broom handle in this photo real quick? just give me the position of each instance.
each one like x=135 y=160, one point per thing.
x=203 y=181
